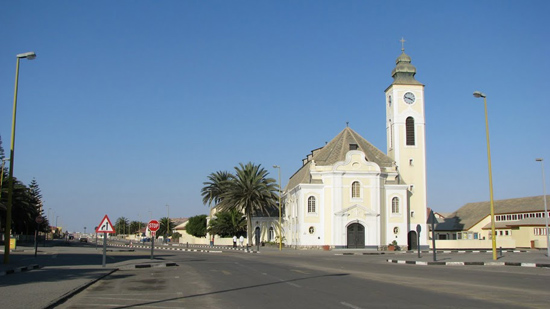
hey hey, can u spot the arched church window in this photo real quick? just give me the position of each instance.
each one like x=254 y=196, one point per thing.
x=271 y=234
x=311 y=204
x=355 y=189
x=409 y=125
x=395 y=205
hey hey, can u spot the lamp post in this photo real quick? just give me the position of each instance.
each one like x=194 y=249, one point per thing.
x=478 y=94
x=30 y=56
x=167 y=224
x=545 y=207
x=280 y=227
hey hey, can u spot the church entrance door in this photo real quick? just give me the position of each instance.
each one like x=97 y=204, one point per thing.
x=412 y=240
x=356 y=236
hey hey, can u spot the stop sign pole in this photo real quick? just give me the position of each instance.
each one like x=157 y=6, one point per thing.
x=38 y=221
x=153 y=226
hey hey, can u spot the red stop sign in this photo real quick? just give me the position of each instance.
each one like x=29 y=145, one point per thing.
x=153 y=225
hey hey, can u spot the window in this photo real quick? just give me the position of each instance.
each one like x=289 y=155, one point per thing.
x=409 y=126
x=540 y=231
x=395 y=205
x=355 y=189
x=311 y=204
x=271 y=234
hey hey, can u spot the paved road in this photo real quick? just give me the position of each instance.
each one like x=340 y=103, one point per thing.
x=313 y=279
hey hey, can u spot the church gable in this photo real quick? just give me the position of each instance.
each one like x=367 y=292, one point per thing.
x=355 y=161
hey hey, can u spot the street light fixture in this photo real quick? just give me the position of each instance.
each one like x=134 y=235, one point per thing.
x=29 y=56
x=545 y=207
x=280 y=227
x=478 y=94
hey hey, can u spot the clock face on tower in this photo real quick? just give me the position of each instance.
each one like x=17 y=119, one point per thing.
x=409 y=98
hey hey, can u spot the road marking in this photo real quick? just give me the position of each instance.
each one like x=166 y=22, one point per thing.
x=300 y=271
x=293 y=284
x=350 y=305
x=225 y=272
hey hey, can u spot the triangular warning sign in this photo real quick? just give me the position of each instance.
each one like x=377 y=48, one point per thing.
x=105 y=226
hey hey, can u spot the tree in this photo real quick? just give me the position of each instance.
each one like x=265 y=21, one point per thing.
x=35 y=199
x=251 y=192
x=1 y=149
x=196 y=226
x=215 y=187
x=166 y=227
x=135 y=227
x=228 y=223
x=122 y=226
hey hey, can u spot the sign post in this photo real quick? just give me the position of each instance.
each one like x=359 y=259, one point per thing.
x=418 y=229
x=153 y=226
x=432 y=218
x=38 y=221
x=105 y=227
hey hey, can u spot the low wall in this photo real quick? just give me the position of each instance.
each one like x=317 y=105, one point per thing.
x=473 y=244
x=218 y=241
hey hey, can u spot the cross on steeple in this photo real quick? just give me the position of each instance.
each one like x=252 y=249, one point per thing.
x=402 y=44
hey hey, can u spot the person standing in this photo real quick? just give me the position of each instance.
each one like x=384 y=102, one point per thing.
x=241 y=240
x=234 y=241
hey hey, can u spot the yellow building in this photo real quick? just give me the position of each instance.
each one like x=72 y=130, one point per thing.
x=519 y=223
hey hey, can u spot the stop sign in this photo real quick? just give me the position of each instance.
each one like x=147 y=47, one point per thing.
x=153 y=225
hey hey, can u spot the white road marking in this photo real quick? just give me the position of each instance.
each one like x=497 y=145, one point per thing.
x=350 y=305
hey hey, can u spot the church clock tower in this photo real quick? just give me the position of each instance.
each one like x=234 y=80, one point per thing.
x=406 y=144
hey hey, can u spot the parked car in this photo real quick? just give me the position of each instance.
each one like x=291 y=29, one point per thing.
x=83 y=239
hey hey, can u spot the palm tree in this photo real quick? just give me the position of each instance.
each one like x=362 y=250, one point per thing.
x=250 y=191
x=228 y=223
x=214 y=188
x=166 y=227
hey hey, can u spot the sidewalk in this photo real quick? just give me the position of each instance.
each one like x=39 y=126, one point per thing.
x=527 y=258
x=60 y=271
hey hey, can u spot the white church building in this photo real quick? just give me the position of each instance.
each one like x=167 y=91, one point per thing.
x=349 y=194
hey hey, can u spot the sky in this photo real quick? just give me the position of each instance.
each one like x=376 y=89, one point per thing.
x=130 y=105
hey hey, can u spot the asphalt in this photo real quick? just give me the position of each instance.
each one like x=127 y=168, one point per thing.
x=58 y=262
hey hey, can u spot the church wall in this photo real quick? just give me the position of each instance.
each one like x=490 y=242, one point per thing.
x=396 y=224
x=305 y=235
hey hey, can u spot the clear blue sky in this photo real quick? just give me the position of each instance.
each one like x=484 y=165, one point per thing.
x=131 y=104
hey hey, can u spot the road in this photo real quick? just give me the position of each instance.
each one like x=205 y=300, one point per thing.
x=312 y=279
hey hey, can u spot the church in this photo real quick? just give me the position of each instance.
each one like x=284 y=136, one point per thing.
x=349 y=194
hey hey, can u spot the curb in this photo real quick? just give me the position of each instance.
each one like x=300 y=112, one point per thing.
x=19 y=269
x=180 y=249
x=540 y=265
x=65 y=297
x=150 y=265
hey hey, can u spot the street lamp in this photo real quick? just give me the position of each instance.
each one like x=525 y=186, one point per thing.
x=30 y=56
x=280 y=227
x=545 y=207
x=478 y=94
x=167 y=224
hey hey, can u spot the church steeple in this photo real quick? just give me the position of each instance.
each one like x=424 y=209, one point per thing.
x=404 y=71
